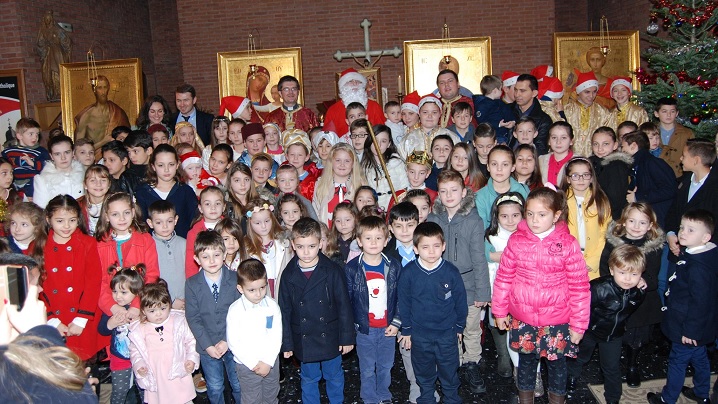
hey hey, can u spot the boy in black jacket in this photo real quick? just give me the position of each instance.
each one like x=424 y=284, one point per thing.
x=613 y=299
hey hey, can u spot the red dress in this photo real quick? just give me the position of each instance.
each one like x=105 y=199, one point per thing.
x=72 y=288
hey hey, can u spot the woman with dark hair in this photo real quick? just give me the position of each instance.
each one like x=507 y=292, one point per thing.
x=155 y=110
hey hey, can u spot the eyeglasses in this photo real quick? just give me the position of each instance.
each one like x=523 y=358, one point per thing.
x=356 y=135
x=576 y=177
x=290 y=89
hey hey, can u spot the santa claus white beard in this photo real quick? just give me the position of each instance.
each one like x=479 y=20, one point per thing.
x=350 y=94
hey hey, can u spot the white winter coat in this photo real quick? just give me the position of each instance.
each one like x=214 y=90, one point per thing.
x=51 y=183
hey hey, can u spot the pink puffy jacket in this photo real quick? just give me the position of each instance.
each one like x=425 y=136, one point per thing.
x=543 y=282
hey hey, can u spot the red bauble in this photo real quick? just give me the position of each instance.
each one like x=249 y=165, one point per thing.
x=695 y=120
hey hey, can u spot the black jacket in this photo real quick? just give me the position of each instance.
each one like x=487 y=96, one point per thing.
x=611 y=306
x=705 y=198
x=128 y=183
x=655 y=183
x=543 y=122
x=204 y=125
x=316 y=313
x=614 y=175
x=650 y=311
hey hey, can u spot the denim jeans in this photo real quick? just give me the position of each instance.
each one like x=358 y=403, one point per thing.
x=376 y=358
x=557 y=374
x=432 y=357
x=213 y=370
x=332 y=372
x=678 y=360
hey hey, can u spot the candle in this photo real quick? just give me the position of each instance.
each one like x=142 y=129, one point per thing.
x=399 y=84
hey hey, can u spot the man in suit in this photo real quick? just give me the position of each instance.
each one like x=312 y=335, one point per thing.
x=208 y=295
x=185 y=100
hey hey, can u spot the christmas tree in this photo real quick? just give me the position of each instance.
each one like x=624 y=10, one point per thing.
x=683 y=65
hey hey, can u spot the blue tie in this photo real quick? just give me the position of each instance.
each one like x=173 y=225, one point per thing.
x=215 y=292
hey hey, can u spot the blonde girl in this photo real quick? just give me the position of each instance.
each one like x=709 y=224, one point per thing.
x=186 y=133
x=122 y=240
x=220 y=130
x=233 y=238
x=272 y=138
x=339 y=181
x=97 y=184
x=264 y=241
x=163 y=350
x=589 y=211
x=72 y=277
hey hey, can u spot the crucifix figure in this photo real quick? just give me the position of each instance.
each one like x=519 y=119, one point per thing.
x=367 y=53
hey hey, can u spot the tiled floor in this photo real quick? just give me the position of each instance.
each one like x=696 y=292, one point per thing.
x=500 y=390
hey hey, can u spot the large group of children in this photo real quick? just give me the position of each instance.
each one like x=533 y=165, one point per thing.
x=266 y=244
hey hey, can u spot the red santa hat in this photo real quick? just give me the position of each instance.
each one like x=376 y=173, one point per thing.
x=411 y=102
x=349 y=75
x=189 y=158
x=430 y=98
x=621 y=81
x=509 y=78
x=542 y=71
x=234 y=104
x=250 y=129
x=550 y=87
x=586 y=80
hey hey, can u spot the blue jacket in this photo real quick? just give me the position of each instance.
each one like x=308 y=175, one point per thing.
x=692 y=300
x=316 y=313
x=359 y=293
x=181 y=195
x=655 y=183
x=492 y=112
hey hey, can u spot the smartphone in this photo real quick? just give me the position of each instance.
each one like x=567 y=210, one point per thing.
x=14 y=283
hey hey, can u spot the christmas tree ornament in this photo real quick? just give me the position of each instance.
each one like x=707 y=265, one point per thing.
x=695 y=120
x=652 y=28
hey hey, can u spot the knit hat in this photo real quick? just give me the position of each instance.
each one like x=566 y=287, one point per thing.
x=158 y=127
x=250 y=129
x=327 y=135
x=191 y=157
x=542 y=71
x=621 y=81
x=509 y=78
x=550 y=87
x=411 y=102
x=586 y=80
x=296 y=136
x=234 y=104
x=349 y=75
x=430 y=98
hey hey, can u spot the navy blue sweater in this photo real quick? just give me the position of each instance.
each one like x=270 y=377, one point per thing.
x=181 y=195
x=432 y=302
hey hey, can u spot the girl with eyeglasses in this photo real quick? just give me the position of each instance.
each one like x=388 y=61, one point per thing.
x=589 y=211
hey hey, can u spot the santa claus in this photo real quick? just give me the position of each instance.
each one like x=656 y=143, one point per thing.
x=352 y=88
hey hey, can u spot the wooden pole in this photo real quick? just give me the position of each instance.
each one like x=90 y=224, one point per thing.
x=382 y=162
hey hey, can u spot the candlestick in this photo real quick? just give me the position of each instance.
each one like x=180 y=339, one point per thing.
x=399 y=84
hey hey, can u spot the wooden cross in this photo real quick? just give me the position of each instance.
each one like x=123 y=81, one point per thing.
x=367 y=53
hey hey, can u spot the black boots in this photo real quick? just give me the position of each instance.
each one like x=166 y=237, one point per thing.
x=633 y=376
x=505 y=368
x=473 y=378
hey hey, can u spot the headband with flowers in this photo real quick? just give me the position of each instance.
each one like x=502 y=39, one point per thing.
x=256 y=209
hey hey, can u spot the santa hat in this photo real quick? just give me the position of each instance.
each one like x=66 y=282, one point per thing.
x=349 y=75
x=234 y=104
x=542 y=71
x=296 y=136
x=430 y=98
x=509 y=78
x=250 y=129
x=411 y=102
x=621 y=81
x=586 y=80
x=327 y=135
x=550 y=87
x=189 y=158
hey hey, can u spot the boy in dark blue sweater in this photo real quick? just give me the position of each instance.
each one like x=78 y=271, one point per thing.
x=432 y=303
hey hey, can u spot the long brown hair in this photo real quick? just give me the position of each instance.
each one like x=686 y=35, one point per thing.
x=152 y=174
x=238 y=207
x=68 y=203
x=232 y=227
x=37 y=218
x=333 y=236
x=475 y=179
x=253 y=242
x=103 y=231
x=598 y=197
x=534 y=180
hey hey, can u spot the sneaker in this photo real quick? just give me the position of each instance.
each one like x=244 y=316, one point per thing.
x=200 y=386
x=473 y=377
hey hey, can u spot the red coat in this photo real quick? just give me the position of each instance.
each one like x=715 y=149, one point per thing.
x=190 y=265
x=306 y=186
x=139 y=249
x=72 y=288
x=543 y=282
x=336 y=117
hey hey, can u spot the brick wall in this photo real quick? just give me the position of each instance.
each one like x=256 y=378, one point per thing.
x=521 y=34
x=572 y=16
x=166 y=47
x=119 y=29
